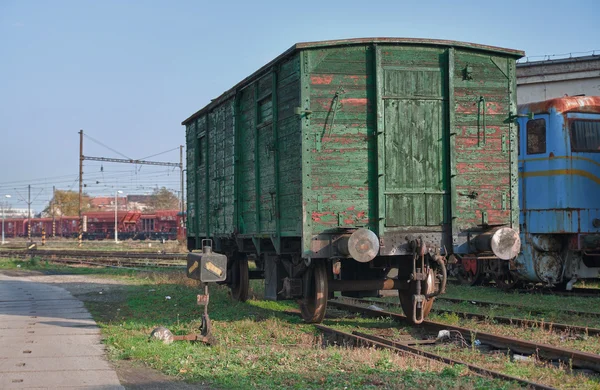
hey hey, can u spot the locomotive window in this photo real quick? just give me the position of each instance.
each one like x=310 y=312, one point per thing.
x=585 y=135
x=536 y=136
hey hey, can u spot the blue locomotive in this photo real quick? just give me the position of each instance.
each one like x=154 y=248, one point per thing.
x=559 y=181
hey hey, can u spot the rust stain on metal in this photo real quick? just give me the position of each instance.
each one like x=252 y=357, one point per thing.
x=589 y=104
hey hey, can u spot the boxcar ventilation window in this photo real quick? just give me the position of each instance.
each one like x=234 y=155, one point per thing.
x=536 y=136
x=585 y=135
x=201 y=146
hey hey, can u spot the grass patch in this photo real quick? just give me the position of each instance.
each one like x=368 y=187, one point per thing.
x=48 y=267
x=260 y=344
x=548 y=303
x=263 y=344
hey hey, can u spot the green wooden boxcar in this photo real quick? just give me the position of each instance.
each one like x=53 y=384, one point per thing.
x=359 y=165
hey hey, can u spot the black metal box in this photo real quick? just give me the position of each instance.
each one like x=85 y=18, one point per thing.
x=207 y=267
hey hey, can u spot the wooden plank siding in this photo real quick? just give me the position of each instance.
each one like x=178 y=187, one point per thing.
x=482 y=160
x=221 y=169
x=341 y=142
x=190 y=159
x=231 y=155
x=289 y=144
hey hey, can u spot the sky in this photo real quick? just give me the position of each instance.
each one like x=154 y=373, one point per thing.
x=128 y=72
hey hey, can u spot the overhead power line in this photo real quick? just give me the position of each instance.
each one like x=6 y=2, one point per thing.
x=158 y=154
x=127 y=160
x=107 y=147
x=131 y=161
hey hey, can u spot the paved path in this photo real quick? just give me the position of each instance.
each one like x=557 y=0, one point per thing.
x=49 y=340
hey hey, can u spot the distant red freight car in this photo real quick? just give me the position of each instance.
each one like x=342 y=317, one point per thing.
x=99 y=225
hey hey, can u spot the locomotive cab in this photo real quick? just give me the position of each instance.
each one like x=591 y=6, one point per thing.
x=559 y=173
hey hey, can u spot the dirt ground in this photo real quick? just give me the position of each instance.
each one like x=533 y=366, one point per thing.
x=103 y=289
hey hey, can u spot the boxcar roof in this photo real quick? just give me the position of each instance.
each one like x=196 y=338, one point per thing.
x=346 y=42
x=586 y=104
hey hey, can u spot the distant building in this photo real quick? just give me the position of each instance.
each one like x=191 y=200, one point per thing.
x=16 y=213
x=543 y=80
x=138 y=202
x=107 y=203
x=129 y=202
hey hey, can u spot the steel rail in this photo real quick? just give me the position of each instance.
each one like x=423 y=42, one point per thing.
x=116 y=263
x=123 y=254
x=543 y=325
x=83 y=253
x=529 y=309
x=549 y=352
x=103 y=259
x=359 y=339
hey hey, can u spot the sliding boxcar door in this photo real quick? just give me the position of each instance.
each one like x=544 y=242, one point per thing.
x=414 y=108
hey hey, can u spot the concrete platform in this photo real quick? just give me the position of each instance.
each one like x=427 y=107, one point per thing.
x=49 y=340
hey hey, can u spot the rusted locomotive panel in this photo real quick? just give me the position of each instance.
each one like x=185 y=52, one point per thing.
x=393 y=145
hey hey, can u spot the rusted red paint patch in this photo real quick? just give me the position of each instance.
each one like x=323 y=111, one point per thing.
x=344 y=140
x=492 y=108
x=321 y=79
x=327 y=157
x=339 y=187
x=316 y=216
x=355 y=105
x=471 y=131
x=464 y=167
x=354 y=101
x=357 y=79
x=470 y=107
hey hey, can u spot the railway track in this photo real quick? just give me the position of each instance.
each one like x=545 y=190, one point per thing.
x=522 y=307
x=362 y=339
x=575 y=291
x=551 y=326
x=103 y=258
x=571 y=357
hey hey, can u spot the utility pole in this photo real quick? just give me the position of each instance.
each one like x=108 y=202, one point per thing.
x=181 y=169
x=53 y=205
x=29 y=212
x=80 y=235
x=119 y=160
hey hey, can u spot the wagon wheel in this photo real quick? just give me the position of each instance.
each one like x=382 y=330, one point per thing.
x=427 y=287
x=314 y=303
x=469 y=271
x=239 y=279
x=506 y=280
